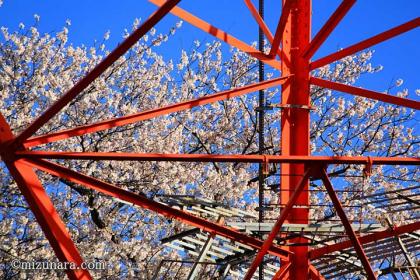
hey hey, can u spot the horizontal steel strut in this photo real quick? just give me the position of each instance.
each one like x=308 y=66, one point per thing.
x=220 y=158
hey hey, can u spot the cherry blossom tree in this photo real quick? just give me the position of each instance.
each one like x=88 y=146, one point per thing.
x=35 y=69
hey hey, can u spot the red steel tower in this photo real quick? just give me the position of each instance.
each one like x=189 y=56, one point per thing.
x=291 y=50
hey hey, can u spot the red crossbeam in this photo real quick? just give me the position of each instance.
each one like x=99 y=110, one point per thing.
x=162 y=209
x=366 y=43
x=219 y=158
x=280 y=27
x=97 y=71
x=315 y=274
x=147 y=115
x=319 y=252
x=282 y=272
x=349 y=230
x=328 y=27
x=259 y=20
x=221 y=35
x=277 y=226
x=366 y=93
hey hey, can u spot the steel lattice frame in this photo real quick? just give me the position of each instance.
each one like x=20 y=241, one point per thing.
x=293 y=34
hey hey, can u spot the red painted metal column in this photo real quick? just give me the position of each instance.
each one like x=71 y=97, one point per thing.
x=295 y=121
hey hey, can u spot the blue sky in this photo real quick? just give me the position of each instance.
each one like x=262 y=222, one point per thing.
x=91 y=19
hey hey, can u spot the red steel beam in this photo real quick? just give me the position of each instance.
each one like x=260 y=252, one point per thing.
x=282 y=272
x=328 y=27
x=221 y=35
x=280 y=27
x=162 y=209
x=47 y=217
x=146 y=115
x=277 y=226
x=376 y=236
x=351 y=234
x=96 y=72
x=42 y=207
x=315 y=274
x=367 y=93
x=259 y=20
x=218 y=158
x=295 y=122
x=261 y=23
x=366 y=43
